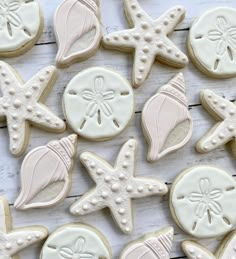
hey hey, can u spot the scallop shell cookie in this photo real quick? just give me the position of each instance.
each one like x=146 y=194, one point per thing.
x=46 y=174
x=98 y=104
x=212 y=42
x=166 y=121
x=155 y=245
x=21 y=24
x=78 y=30
x=206 y=195
x=76 y=241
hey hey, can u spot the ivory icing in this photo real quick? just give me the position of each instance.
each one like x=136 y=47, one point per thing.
x=13 y=241
x=77 y=29
x=76 y=241
x=116 y=186
x=153 y=246
x=212 y=42
x=224 y=130
x=148 y=39
x=20 y=22
x=205 y=194
x=98 y=103
x=225 y=251
x=43 y=167
x=21 y=105
x=162 y=114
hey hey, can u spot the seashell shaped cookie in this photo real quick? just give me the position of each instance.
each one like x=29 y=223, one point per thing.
x=78 y=30
x=45 y=174
x=156 y=245
x=166 y=121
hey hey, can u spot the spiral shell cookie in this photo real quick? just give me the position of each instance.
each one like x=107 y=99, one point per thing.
x=98 y=104
x=212 y=42
x=206 y=195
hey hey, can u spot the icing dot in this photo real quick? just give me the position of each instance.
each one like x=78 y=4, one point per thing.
x=3 y=73
x=160 y=189
x=39 y=114
x=94 y=201
x=192 y=251
x=172 y=15
x=143 y=59
x=17 y=103
x=199 y=256
x=129 y=188
x=221 y=135
x=133 y=6
x=144 y=25
x=158 y=30
x=148 y=37
x=127 y=154
x=104 y=195
x=150 y=188
x=12 y=91
x=14 y=148
x=15 y=137
x=215 y=101
x=166 y=22
x=115 y=38
x=169 y=50
x=131 y=145
x=125 y=165
x=121 y=211
x=146 y=49
x=92 y=165
x=85 y=207
x=5 y=105
x=107 y=178
x=139 y=78
x=29 y=108
x=108 y=39
x=15 y=126
x=232 y=112
x=29 y=238
x=115 y=187
x=99 y=171
x=124 y=221
x=159 y=44
x=205 y=147
x=28 y=94
x=7 y=82
x=19 y=242
x=41 y=79
x=177 y=55
x=179 y=9
x=35 y=87
x=137 y=36
x=139 y=15
x=222 y=106
x=14 y=116
x=37 y=235
x=141 y=69
x=127 y=230
x=213 y=141
x=140 y=188
x=118 y=200
x=209 y=96
x=231 y=128
x=77 y=211
x=121 y=176
x=126 y=37
x=48 y=119
x=8 y=246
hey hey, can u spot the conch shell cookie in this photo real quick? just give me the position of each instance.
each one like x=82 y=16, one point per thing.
x=46 y=174
x=21 y=24
x=156 y=245
x=78 y=30
x=166 y=121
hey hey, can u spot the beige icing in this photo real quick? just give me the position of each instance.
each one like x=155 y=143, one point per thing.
x=77 y=29
x=166 y=121
x=116 y=186
x=21 y=105
x=44 y=168
x=148 y=39
x=152 y=246
x=13 y=241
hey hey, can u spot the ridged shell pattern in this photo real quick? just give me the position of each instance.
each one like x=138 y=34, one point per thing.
x=77 y=29
x=45 y=166
x=162 y=115
x=155 y=246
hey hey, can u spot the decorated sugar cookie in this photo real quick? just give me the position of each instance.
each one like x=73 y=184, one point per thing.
x=76 y=241
x=13 y=241
x=224 y=130
x=226 y=250
x=206 y=195
x=148 y=39
x=78 y=30
x=116 y=186
x=156 y=245
x=212 y=42
x=98 y=104
x=46 y=174
x=166 y=121
x=21 y=105
x=21 y=24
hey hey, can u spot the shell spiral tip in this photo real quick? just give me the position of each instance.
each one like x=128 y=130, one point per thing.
x=178 y=82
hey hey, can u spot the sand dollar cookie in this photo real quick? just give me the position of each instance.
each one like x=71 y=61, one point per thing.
x=98 y=103
x=21 y=24
x=212 y=42
x=205 y=194
x=76 y=241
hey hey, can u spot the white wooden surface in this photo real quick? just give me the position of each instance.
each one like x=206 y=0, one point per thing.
x=151 y=213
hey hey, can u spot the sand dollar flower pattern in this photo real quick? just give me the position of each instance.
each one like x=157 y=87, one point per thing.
x=225 y=36
x=98 y=99
x=206 y=199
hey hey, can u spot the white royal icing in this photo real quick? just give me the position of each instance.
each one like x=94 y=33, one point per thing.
x=76 y=241
x=149 y=39
x=205 y=194
x=226 y=250
x=13 y=241
x=21 y=105
x=20 y=22
x=116 y=186
x=98 y=103
x=212 y=42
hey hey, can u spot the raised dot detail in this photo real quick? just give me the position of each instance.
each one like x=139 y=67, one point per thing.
x=104 y=195
x=85 y=207
x=140 y=189
x=17 y=103
x=107 y=178
x=121 y=176
x=121 y=211
x=124 y=221
x=8 y=246
x=19 y=241
x=99 y=171
x=129 y=188
x=115 y=187
x=118 y=200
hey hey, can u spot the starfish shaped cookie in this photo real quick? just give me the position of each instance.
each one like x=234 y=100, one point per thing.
x=224 y=131
x=13 y=241
x=21 y=105
x=149 y=40
x=116 y=186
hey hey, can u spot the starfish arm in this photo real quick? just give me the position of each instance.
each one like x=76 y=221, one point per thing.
x=199 y=251
x=2 y=110
x=219 y=107
x=43 y=117
x=219 y=135
x=229 y=247
x=143 y=187
x=170 y=19
x=142 y=66
x=37 y=87
x=121 y=40
x=90 y=202
x=134 y=13
x=171 y=55
x=26 y=236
